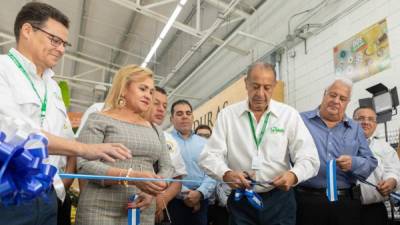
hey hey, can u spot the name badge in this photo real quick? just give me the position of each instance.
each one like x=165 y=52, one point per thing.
x=256 y=163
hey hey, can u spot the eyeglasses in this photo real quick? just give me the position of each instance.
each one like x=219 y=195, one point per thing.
x=204 y=135
x=366 y=119
x=54 y=40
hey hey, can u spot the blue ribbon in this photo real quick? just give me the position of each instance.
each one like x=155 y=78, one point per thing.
x=254 y=199
x=331 y=186
x=133 y=213
x=23 y=175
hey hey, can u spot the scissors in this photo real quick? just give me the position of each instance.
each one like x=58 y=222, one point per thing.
x=254 y=182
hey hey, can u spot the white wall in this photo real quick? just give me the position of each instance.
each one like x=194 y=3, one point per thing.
x=306 y=75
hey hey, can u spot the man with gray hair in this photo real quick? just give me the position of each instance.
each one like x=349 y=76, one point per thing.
x=337 y=138
x=262 y=140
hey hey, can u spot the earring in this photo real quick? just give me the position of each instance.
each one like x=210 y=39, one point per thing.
x=121 y=101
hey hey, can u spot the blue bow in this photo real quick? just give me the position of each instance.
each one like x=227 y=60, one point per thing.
x=254 y=199
x=23 y=175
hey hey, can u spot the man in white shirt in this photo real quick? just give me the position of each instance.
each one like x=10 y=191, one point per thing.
x=95 y=107
x=266 y=139
x=156 y=115
x=385 y=176
x=29 y=93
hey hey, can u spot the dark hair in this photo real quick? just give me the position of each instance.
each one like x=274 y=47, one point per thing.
x=161 y=90
x=180 y=102
x=203 y=126
x=363 y=107
x=37 y=13
x=263 y=65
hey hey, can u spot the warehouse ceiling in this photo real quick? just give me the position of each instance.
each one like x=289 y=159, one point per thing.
x=107 y=34
x=194 y=60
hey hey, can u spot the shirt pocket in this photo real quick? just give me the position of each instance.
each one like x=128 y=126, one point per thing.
x=276 y=146
x=29 y=104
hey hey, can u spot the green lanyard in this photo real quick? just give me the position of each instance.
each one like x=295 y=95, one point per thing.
x=43 y=108
x=253 y=130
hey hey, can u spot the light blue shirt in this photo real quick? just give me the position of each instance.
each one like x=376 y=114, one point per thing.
x=190 y=150
x=346 y=138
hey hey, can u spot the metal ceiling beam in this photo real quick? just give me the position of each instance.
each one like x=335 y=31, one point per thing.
x=114 y=48
x=196 y=46
x=82 y=29
x=161 y=18
x=159 y=3
x=223 y=5
x=82 y=80
x=86 y=73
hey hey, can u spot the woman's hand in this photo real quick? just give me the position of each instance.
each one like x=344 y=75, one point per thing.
x=150 y=187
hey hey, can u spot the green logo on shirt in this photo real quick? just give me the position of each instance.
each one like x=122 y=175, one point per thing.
x=277 y=130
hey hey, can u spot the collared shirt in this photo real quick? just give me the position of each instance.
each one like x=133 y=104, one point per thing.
x=286 y=142
x=95 y=107
x=20 y=101
x=346 y=138
x=175 y=154
x=388 y=167
x=190 y=151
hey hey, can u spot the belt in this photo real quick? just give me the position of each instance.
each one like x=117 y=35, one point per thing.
x=322 y=191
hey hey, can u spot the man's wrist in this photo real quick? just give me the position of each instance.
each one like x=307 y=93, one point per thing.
x=201 y=195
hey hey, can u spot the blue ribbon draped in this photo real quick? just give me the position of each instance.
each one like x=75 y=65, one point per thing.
x=254 y=199
x=23 y=175
x=133 y=213
x=331 y=185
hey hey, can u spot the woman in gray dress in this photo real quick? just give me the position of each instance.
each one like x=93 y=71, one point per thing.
x=121 y=121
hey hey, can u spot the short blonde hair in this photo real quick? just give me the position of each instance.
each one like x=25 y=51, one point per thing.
x=123 y=78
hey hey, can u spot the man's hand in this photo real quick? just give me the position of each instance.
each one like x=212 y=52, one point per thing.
x=387 y=186
x=196 y=207
x=143 y=201
x=150 y=187
x=193 y=198
x=236 y=179
x=160 y=206
x=344 y=162
x=106 y=152
x=285 y=181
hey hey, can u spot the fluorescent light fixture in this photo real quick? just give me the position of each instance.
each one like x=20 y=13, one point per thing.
x=170 y=21
x=164 y=32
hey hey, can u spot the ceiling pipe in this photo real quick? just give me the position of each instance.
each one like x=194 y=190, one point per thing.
x=197 y=45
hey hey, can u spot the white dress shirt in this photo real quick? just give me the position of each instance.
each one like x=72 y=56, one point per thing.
x=388 y=167
x=175 y=154
x=95 y=107
x=18 y=100
x=286 y=140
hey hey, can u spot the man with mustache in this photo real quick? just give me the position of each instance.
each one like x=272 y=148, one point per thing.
x=385 y=176
x=28 y=93
x=156 y=115
x=190 y=207
x=339 y=138
x=267 y=140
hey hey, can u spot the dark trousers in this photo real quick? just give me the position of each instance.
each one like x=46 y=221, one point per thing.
x=183 y=215
x=218 y=215
x=64 y=211
x=316 y=209
x=39 y=211
x=279 y=209
x=374 y=214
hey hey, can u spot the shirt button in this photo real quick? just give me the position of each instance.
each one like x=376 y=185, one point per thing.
x=330 y=143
